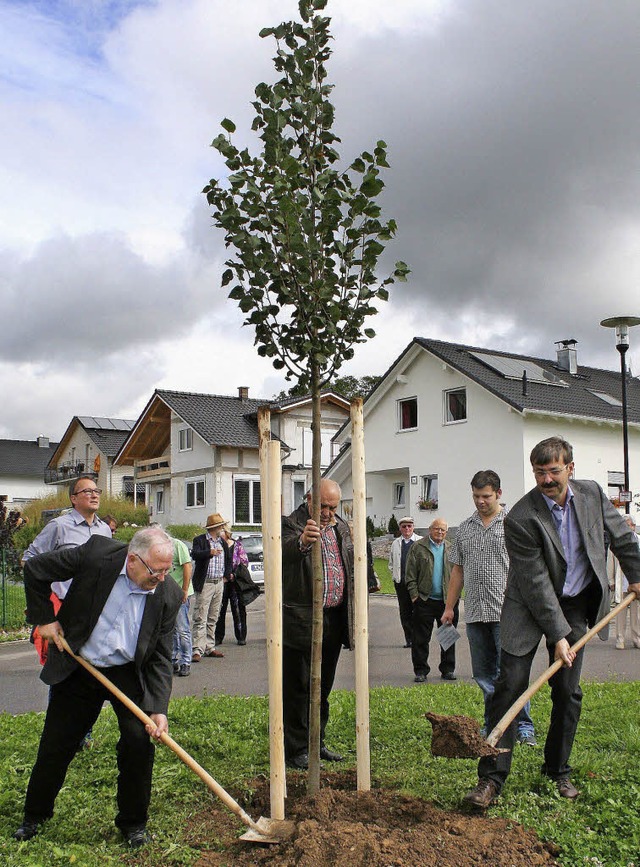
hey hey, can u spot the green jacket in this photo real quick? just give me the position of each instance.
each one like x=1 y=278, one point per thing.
x=419 y=573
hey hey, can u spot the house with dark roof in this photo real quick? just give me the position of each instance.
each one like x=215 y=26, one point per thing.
x=442 y=411
x=87 y=448
x=198 y=454
x=22 y=466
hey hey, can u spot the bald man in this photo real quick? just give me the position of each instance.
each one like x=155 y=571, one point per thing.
x=299 y=534
x=427 y=578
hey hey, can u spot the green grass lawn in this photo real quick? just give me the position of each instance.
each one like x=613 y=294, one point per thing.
x=381 y=568
x=229 y=737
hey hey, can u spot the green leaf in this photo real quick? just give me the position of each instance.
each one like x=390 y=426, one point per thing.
x=227 y=124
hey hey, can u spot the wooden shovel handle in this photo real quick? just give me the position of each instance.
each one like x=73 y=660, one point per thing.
x=190 y=762
x=546 y=675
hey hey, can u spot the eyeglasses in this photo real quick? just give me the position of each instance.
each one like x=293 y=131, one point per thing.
x=155 y=573
x=556 y=472
x=97 y=491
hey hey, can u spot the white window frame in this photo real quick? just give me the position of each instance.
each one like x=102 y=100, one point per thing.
x=253 y=480
x=446 y=413
x=326 y=447
x=399 y=495
x=188 y=439
x=194 y=482
x=399 y=405
x=159 y=500
x=429 y=487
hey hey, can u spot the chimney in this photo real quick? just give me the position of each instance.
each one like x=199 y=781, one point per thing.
x=243 y=392
x=43 y=442
x=567 y=355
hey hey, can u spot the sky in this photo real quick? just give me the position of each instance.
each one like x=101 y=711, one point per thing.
x=514 y=143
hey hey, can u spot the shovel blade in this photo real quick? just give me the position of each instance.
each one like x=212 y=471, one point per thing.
x=270 y=831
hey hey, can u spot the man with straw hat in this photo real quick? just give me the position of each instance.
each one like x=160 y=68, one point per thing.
x=212 y=557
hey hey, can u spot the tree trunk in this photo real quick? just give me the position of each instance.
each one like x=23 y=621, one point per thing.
x=313 y=780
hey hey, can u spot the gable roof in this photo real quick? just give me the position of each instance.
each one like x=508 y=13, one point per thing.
x=24 y=457
x=220 y=420
x=561 y=393
x=108 y=434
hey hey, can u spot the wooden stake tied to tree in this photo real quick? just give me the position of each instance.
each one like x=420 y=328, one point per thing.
x=306 y=239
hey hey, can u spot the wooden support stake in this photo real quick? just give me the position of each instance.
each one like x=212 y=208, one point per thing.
x=271 y=534
x=363 y=754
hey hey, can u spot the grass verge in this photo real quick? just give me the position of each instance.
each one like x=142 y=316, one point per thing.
x=229 y=737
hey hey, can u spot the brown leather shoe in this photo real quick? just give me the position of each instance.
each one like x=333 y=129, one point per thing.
x=196 y=657
x=215 y=653
x=483 y=795
x=566 y=788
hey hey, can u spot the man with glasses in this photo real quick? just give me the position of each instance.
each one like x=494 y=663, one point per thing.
x=299 y=534
x=557 y=587
x=67 y=531
x=118 y=614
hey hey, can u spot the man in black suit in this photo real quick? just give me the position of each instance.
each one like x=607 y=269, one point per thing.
x=557 y=587
x=299 y=534
x=119 y=614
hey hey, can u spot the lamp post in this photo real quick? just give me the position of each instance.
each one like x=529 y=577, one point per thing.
x=622 y=325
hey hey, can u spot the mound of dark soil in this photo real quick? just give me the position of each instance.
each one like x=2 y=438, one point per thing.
x=340 y=827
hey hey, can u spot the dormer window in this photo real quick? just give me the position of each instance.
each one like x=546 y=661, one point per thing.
x=185 y=439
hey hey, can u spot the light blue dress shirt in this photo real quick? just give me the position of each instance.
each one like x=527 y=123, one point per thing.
x=65 y=531
x=578 y=567
x=438 y=569
x=115 y=635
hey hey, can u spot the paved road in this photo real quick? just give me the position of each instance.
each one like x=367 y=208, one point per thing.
x=243 y=671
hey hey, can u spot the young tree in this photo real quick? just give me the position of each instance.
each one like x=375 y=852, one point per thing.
x=306 y=239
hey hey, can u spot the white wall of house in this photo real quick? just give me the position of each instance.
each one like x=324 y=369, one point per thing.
x=492 y=437
x=23 y=489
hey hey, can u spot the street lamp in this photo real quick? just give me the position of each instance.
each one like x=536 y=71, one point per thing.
x=622 y=325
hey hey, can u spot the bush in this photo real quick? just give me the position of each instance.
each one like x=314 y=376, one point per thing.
x=186 y=532
x=393 y=526
x=371 y=530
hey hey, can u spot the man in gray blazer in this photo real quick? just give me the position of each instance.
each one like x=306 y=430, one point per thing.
x=557 y=587
x=119 y=614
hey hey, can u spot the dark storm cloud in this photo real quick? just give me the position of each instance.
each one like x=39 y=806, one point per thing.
x=513 y=132
x=93 y=296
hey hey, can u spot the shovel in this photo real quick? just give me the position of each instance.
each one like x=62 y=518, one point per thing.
x=459 y=736
x=262 y=831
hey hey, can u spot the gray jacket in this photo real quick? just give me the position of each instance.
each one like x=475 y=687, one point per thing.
x=537 y=567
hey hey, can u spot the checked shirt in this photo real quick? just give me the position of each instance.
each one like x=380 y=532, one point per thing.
x=482 y=554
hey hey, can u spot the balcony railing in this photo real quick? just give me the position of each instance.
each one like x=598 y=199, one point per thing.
x=67 y=472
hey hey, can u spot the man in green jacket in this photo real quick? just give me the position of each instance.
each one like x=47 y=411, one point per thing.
x=427 y=579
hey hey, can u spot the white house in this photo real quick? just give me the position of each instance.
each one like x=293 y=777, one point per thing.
x=443 y=411
x=22 y=467
x=198 y=453
x=88 y=447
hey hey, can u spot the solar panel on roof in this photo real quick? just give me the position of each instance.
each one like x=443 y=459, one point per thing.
x=513 y=368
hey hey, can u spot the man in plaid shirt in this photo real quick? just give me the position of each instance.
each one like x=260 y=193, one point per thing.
x=480 y=563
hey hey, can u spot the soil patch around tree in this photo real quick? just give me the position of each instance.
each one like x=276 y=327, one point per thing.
x=340 y=827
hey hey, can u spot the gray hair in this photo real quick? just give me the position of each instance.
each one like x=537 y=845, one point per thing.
x=149 y=537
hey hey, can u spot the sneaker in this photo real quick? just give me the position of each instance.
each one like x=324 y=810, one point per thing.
x=527 y=738
x=176 y=667
x=448 y=675
x=619 y=643
x=185 y=670
x=483 y=795
x=420 y=678
x=137 y=837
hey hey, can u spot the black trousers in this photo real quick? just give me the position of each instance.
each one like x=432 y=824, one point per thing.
x=230 y=596
x=566 y=700
x=296 y=682
x=425 y=615
x=74 y=707
x=406 y=610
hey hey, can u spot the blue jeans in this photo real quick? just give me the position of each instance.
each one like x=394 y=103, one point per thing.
x=182 y=644
x=484 y=644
